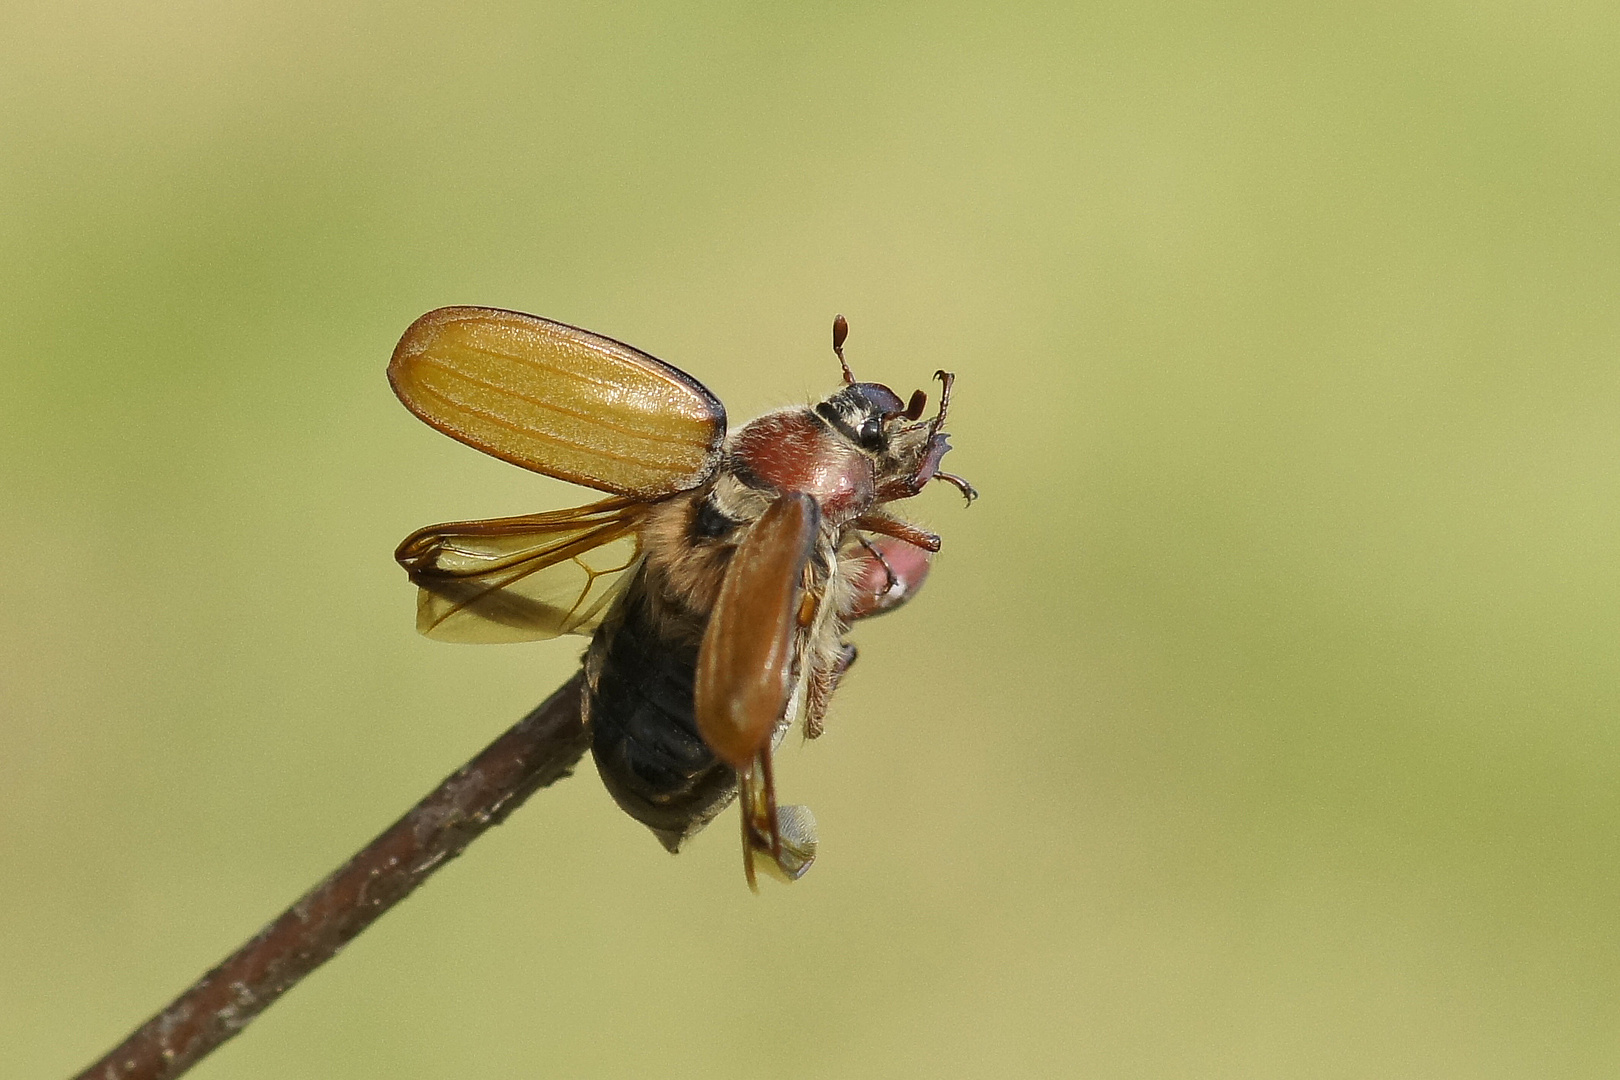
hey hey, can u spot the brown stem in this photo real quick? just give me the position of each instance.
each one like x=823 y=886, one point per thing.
x=539 y=750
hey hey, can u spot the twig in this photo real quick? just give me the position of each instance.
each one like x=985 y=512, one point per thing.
x=539 y=750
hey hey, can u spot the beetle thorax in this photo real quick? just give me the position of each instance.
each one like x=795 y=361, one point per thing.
x=793 y=450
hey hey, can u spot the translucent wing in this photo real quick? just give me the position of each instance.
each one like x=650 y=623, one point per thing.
x=522 y=578
x=559 y=400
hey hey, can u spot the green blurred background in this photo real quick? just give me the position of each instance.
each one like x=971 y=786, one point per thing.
x=1260 y=720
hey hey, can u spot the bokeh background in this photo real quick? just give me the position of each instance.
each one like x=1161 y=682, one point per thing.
x=1262 y=720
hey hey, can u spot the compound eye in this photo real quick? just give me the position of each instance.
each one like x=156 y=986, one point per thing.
x=870 y=436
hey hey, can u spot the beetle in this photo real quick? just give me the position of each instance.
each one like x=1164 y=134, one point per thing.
x=717 y=579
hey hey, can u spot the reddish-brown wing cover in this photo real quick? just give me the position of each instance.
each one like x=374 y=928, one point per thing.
x=559 y=400
x=745 y=664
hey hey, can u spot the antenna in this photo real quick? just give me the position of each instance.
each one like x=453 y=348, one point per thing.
x=840 y=332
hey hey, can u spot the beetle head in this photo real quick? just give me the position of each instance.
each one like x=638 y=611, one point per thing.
x=905 y=449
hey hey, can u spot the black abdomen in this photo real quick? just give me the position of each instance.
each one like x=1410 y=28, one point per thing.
x=638 y=704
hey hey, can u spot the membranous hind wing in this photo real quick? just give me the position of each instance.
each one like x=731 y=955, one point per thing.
x=522 y=578
x=559 y=400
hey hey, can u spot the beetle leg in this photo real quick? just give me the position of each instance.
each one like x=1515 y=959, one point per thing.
x=823 y=684
x=815 y=709
x=969 y=492
x=785 y=836
x=883 y=586
x=745 y=792
x=928 y=465
x=757 y=790
x=946 y=380
x=809 y=605
x=904 y=487
x=887 y=525
x=890 y=581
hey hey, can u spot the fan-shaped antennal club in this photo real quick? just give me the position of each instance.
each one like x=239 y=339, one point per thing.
x=840 y=332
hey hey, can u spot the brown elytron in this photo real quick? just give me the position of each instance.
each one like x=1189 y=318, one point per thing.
x=559 y=400
x=717 y=583
x=745 y=670
x=745 y=664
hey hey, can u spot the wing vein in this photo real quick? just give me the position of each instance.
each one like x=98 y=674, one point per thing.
x=504 y=391
x=580 y=376
x=530 y=433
